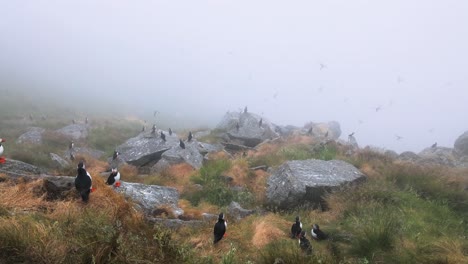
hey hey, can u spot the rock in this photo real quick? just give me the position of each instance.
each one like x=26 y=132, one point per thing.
x=74 y=131
x=409 y=156
x=17 y=169
x=437 y=156
x=286 y=131
x=250 y=133
x=32 y=136
x=116 y=163
x=58 y=187
x=146 y=148
x=461 y=144
x=391 y=154
x=302 y=182
x=209 y=217
x=236 y=147
x=205 y=148
x=237 y=212
x=58 y=161
x=177 y=155
x=151 y=197
x=321 y=129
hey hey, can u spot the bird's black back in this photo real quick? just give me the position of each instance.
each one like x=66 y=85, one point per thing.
x=219 y=230
x=296 y=229
x=82 y=180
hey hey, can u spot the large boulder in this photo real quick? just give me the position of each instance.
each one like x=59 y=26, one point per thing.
x=146 y=148
x=249 y=132
x=304 y=182
x=437 y=156
x=409 y=156
x=237 y=212
x=151 y=197
x=461 y=144
x=32 y=136
x=74 y=131
x=18 y=169
x=321 y=129
x=176 y=155
x=59 y=162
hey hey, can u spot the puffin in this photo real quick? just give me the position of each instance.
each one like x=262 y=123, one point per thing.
x=114 y=178
x=83 y=182
x=72 y=144
x=181 y=144
x=219 y=228
x=190 y=136
x=237 y=126
x=318 y=234
x=143 y=128
x=260 y=122
x=153 y=129
x=163 y=136
x=304 y=243
x=434 y=145
x=116 y=154
x=86 y=120
x=2 y=159
x=170 y=132
x=245 y=109
x=296 y=228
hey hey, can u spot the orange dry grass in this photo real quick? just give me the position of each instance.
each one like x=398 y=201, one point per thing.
x=177 y=176
x=21 y=196
x=218 y=155
x=367 y=169
x=266 y=230
x=239 y=171
x=192 y=212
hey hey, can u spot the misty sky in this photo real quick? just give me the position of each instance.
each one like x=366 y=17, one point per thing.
x=201 y=58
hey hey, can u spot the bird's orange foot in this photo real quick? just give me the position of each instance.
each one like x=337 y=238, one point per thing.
x=117 y=184
x=2 y=160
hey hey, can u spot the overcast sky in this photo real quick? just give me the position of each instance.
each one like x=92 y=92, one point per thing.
x=409 y=58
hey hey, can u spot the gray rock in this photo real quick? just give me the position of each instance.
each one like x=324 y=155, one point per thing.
x=74 y=131
x=321 y=129
x=151 y=197
x=209 y=217
x=146 y=148
x=409 y=156
x=57 y=187
x=177 y=155
x=116 y=163
x=237 y=212
x=437 y=156
x=59 y=161
x=201 y=134
x=205 y=148
x=16 y=169
x=461 y=144
x=32 y=136
x=304 y=182
x=250 y=133
x=286 y=131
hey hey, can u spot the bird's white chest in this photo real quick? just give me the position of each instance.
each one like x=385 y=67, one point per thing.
x=1 y=150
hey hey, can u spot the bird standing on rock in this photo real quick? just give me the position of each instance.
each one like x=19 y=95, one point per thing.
x=115 y=155
x=163 y=136
x=181 y=144
x=190 y=136
x=114 y=178
x=170 y=132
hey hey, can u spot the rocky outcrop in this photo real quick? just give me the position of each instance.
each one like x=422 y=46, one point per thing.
x=437 y=156
x=32 y=136
x=151 y=197
x=17 y=169
x=304 y=182
x=57 y=187
x=59 y=162
x=329 y=130
x=237 y=212
x=461 y=144
x=409 y=156
x=146 y=148
x=246 y=129
x=74 y=131
x=176 y=155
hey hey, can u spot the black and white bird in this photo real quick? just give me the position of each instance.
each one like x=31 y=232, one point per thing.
x=114 y=178
x=181 y=144
x=219 y=228
x=86 y=120
x=2 y=159
x=326 y=134
x=190 y=136
x=83 y=182
x=296 y=228
x=115 y=155
x=153 y=129
x=31 y=117
x=72 y=156
x=163 y=136
x=309 y=132
x=434 y=145
x=318 y=234
x=170 y=132
x=143 y=128
x=74 y=121
x=72 y=144
x=304 y=243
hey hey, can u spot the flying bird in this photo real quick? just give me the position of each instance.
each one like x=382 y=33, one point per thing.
x=398 y=137
x=378 y=108
x=323 y=66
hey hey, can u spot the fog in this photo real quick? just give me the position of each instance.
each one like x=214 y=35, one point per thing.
x=379 y=68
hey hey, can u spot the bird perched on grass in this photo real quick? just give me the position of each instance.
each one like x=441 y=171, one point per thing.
x=2 y=159
x=304 y=243
x=318 y=234
x=83 y=182
x=296 y=228
x=219 y=228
